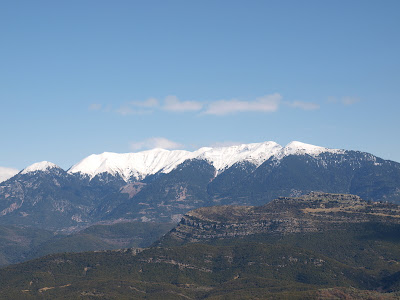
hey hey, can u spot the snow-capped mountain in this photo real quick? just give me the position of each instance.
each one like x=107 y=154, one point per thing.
x=161 y=185
x=137 y=166
x=130 y=165
x=298 y=148
x=42 y=166
x=224 y=157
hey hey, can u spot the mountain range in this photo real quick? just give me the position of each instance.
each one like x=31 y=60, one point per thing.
x=160 y=185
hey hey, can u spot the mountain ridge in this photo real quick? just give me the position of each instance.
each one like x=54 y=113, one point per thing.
x=220 y=157
x=138 y=165
x=249 y=174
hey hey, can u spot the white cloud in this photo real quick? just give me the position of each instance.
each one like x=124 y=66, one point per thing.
x=138 y=107
x=155 y=142
x=304 y=105
x=268 y=103
x=149 y=103
x=172 y=103
x=126 y=110
x=347 y=100
x=95 y=106
x=6 y=173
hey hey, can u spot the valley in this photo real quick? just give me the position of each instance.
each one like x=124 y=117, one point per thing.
x=237 y=253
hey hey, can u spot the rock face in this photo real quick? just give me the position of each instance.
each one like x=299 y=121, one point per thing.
x=44 y=196
x=315 y=212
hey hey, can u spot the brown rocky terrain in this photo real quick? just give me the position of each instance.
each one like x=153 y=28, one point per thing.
x=315 y=212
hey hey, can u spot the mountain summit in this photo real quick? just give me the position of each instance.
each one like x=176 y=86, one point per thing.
x=40 y=166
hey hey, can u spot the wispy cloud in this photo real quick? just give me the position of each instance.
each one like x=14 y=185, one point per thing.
x=268 y=103
x=138 y=107
x=149 y=103
x=224 y=144
x=172 y=103
x=95 y=106
x=155 y=142
x=349 y=100
x=346 y=100
x=304 y=105
x=125 y=110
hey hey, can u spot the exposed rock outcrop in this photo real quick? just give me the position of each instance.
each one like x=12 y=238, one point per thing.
x=314 y=212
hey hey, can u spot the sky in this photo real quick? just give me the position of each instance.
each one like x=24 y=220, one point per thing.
x=84 y=77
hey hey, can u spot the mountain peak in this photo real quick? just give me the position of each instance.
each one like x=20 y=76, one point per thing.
x=299 y=148
x=39 y=166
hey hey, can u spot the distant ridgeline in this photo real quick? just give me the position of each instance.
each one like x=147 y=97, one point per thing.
x=160 y=185
x=318 y=246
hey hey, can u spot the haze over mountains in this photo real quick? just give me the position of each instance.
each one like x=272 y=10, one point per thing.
x=161 y=185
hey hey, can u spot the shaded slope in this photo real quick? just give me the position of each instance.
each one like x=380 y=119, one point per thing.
x=351 y=172
x=19 y=244
x=170 y=195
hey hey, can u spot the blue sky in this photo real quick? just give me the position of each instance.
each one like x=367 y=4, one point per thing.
x=83 y=77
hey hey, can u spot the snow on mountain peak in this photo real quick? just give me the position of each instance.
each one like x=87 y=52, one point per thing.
x=39 y=166
x=299 y=148
x=141 y=164
x=129 y=165
x=224 y=157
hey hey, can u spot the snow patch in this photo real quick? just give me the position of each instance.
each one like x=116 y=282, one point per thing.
x=224 y=157
x=39 y=166
x=298 y=148
x=127 y=165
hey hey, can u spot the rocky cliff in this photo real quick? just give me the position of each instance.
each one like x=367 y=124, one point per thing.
x=315 y=212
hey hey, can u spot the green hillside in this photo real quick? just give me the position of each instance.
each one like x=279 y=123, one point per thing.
x=197 y=271
x=320 y=246
x=18 y=244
